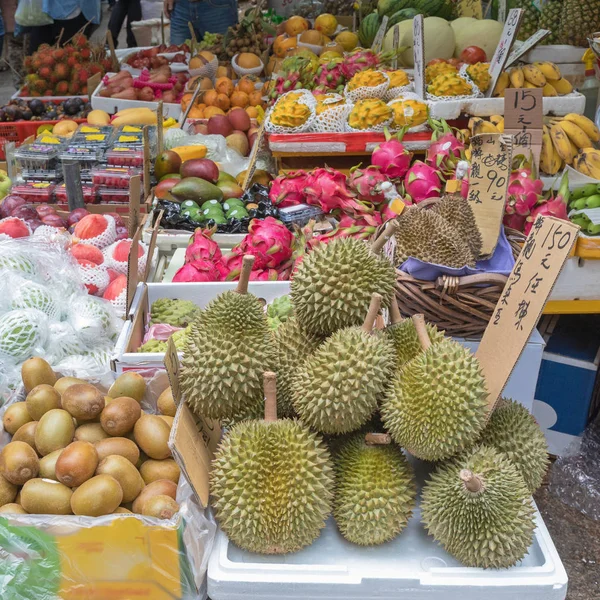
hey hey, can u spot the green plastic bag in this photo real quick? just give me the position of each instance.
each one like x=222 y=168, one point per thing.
x=30 y=14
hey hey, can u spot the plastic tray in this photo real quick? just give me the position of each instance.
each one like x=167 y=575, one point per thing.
x=114 y=177
x=89 y=195
x=34 y=192
x=123 y=156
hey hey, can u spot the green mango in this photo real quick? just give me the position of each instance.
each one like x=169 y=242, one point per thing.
x=196 y=189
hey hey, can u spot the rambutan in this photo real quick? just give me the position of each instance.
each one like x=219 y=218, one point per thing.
x=84 y=90
x=74 y=88
x=82 y=75
x=85 y=53
x=48 y=92
x=58 y=54
x=40 y=85
x=73 y=59
x=61 y=71
x=36 y=64
x=43 y=47
x=27 y=63
x=95 y=68
x=107 y=64
x=47 y=60
x=79 y=41
x=61 y=88
x=45 y=73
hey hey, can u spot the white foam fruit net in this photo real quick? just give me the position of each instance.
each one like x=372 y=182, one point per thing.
x=396 y=92
x=207 y=70
x=475 y=93
x=95 y=278
x=22 y=334
x=28 y=294
x=121 y=265
x=304 y=97
x=374 y=91
x=107 y=237
x=333 y=119
x=240 y=71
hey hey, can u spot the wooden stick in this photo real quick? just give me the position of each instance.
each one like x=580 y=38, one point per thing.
x=62 y=32
x=192 y=102
x=472 y=482
x=113 y=54
x=395 y=315
x=162 y=28
x=247 y=262
x=390 y=230
x=419 y=321
x=270 y=385
x=193 y=34
x=378 y=439
x=372 y=314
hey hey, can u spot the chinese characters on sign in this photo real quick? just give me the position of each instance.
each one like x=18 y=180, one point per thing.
x=524 y=120
x=491 y=157
x=419 y=56
x=511 y=27
x=527 y=45
x=523 y=299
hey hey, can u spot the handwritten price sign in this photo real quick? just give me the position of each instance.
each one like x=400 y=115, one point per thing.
x=524 y=120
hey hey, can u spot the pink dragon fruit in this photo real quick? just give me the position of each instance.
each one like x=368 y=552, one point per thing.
x=328 y=189
x=553 y=207
x=202 y=247
x=264 y=275
x=367 y=183
x=330 y=76
x=524 y=193
x=198 y=270
x=357 y=61
x=422 y=182
x=288 y=189
x=392 y=157
x=446 y=150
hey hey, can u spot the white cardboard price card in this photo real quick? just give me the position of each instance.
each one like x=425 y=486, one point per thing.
x=527 y=45
x=419 y=55
x=502 y=11
x=509 y=33
x=525 y=294
x=378 y=41
x=491 y=158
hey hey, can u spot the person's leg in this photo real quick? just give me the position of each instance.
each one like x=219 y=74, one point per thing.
x=40 y=35
x=117 y=17
x=214 y=16
x=134 y=14
x=69 y=27
x=179 y=22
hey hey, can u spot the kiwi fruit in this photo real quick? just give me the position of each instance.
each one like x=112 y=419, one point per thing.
x=161 y=507
x=83 y=401
x=55 y=430
x=19 y=462
x=98 y=496
x=41 y=399
x=12 y=508
x=64 y=383
x=168 y=420
x=118 y=445
x=8 y=491
x=121 y=510
x=128 y=384
x=90 y=432
x=48 y=465
x=125 y=473
x=26 y=433
x=119 y=417
x=76 y=463
x=46 y=497
x=153 y=470
x=36 y=371
x=15 y=416
x=161 y=487
x=152 y=436
x=166 y=404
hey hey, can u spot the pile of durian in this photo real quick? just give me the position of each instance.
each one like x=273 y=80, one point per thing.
x=344 y=402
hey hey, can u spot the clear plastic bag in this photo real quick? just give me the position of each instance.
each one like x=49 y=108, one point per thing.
x=30 y=14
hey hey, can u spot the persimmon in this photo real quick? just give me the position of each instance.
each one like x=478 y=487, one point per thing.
x=239 y=99
x=224 y=85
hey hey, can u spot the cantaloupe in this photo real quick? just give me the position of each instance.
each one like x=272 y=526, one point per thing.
x=484 y=33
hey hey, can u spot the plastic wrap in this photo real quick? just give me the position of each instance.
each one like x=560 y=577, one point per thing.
x=49 y=557
x=575 y=476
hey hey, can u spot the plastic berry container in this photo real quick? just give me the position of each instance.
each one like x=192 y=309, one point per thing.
x=35 y=191
x=38 y=162
x=114 y=177
x=60 y=194
x=88 y=158
x=111 y=195
x=84 y=128
x=90 y=136
x=125 y=156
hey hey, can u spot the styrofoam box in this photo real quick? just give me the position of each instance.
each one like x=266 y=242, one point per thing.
x=169 y=240
x=579 y=280
x=411 y=567
x=558 y=53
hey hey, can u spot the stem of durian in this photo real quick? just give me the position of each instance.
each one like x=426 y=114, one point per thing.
x=395 y=316
x=247 y=262
x=372 y=314
x=270 y=386
x=389 y=231
x=472 y=482
x=419 y=322
x=378 y=439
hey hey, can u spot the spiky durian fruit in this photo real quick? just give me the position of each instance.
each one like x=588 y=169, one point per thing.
x=479 y=509
x=374 y=489
x=513 y=431
x=457 y=212
x=338 y=387
x=170 y=311
x=227 y=349
x=332 y=286
x=271 y=482
x=437 y=406
x=292 y=346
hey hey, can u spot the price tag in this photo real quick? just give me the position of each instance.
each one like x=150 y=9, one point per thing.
x=396 y=43
x=527 y=45
x=470 y=8
x=419 y=55
x=525 y=294
x=491 y=158
x=502 y=11
x=524 y=120
x=378 y=41
x=509 y=33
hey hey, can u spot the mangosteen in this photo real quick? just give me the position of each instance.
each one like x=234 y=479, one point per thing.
x=37 y=107
x=11 y=112
x=51 y=115
x=71 y=106
x=26 y=114
x=2 y=115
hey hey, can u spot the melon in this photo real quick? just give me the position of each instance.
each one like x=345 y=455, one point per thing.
x=483 y=33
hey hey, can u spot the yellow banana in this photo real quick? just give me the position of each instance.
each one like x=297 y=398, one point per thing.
x=550 y=161
x=495 y=119
x=579 y=164
x=576 y=134
x=533 y=75
x=562 y=86
x=550 y=71
x=502 y=83
x=528 y=84
x=478 y=125
x=549 y=91
x=562 y=143
x=587 y=125
x=590 y=160
x=517 y=78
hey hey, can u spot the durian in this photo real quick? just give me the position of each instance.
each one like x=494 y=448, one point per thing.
x=374 y=489
x=425 y=235
x=457 y=212
x=437 y=406
x=292 y=346
x=479 y=509
x=332 y=287
x=170 y=311
x=227 y=349
x=338 y=387
x=271 y=482
x=513 y=431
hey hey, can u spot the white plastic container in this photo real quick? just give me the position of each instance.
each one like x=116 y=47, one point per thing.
x=169 y=240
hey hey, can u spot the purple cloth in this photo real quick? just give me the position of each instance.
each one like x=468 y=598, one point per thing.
x=502 y=262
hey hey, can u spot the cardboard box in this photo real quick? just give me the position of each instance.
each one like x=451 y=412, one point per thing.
x=567 y=392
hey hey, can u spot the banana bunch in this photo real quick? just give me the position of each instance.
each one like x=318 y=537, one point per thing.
x=545 y=75
x=478 y=125
x=569 y=140
x=584 y=197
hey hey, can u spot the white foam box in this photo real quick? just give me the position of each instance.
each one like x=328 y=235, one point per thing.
x=411 y=567
x=170 y=240
x=578 y=280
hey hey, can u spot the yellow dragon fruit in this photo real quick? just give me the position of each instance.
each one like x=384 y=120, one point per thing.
x=290 y=114
x=409 y=113
x=368 y=113
x=398 y=78
x=327 y=101
x=368 y=78
x=449 y=84
x=432 y=71
x=479 y=73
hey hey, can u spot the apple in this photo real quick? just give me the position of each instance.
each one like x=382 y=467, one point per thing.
x=5 y=184
x=9 y=204
x=170 y=176
x=163 y=188
x=200 y=128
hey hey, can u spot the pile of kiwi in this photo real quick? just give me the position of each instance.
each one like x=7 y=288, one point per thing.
x=77 y=451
